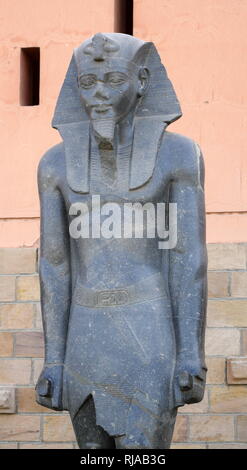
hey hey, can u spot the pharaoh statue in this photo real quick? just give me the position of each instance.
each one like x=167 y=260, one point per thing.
x=123 y=315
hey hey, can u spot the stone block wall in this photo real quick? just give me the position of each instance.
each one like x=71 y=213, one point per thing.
x=219 y=421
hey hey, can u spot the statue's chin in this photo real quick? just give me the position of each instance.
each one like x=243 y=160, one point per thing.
x=104 y=131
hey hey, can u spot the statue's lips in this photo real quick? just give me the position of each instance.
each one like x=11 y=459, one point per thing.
x=101 y=108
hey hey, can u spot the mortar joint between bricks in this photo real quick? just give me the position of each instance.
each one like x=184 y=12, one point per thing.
x=41 y=431
x=14 y=344
x=229 y=286
x=32 y=372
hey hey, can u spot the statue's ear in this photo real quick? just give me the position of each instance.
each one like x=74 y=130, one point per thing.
x=143 y=76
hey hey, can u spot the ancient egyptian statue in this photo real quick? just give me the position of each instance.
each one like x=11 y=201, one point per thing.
x=123 y=314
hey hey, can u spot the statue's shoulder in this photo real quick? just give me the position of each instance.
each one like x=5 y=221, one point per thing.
x=52 y=157
x=180 y=144
x=184 y=155
x=51 y=165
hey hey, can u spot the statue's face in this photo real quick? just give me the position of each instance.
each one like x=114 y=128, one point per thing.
x=107 y=92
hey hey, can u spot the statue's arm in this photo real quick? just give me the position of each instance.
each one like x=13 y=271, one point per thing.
x=188 y=278
x=54 y=270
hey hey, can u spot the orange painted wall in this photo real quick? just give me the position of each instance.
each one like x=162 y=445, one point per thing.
x=203 y=45
x=56 y=26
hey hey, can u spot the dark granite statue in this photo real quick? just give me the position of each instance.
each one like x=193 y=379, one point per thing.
x=123 y=316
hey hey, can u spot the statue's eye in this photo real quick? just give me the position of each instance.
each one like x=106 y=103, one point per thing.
x=87 y=81
x=117 y=79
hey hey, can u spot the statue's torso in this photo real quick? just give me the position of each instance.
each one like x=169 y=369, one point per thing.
x=117 y=262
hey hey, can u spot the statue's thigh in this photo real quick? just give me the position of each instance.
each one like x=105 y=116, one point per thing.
x=88 y=434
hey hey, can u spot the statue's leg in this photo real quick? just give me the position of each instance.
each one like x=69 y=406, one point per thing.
x=88 y=434
x=148 y=433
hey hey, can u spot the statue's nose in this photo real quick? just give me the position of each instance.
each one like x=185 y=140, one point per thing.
x=101 y=91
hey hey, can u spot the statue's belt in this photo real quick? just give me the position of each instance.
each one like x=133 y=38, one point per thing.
x=150 y=288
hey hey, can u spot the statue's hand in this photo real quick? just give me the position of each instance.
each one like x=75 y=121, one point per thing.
x=190 y=379
x=50 y=386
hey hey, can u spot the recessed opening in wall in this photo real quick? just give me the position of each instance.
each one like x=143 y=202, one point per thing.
x=29 y=76
x=123 y=16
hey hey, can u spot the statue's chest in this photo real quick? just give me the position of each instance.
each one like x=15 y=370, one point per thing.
x=109 y=171
x=154 y=191
x=109 y=182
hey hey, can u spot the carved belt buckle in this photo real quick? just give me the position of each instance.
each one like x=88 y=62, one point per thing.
x=112 y=297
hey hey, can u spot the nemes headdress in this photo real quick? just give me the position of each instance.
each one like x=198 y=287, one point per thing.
x=157 y=108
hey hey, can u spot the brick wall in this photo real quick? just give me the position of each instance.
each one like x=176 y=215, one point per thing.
x=219 y=421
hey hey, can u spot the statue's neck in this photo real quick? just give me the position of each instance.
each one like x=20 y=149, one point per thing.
x=123 y=136
x=110 y=166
